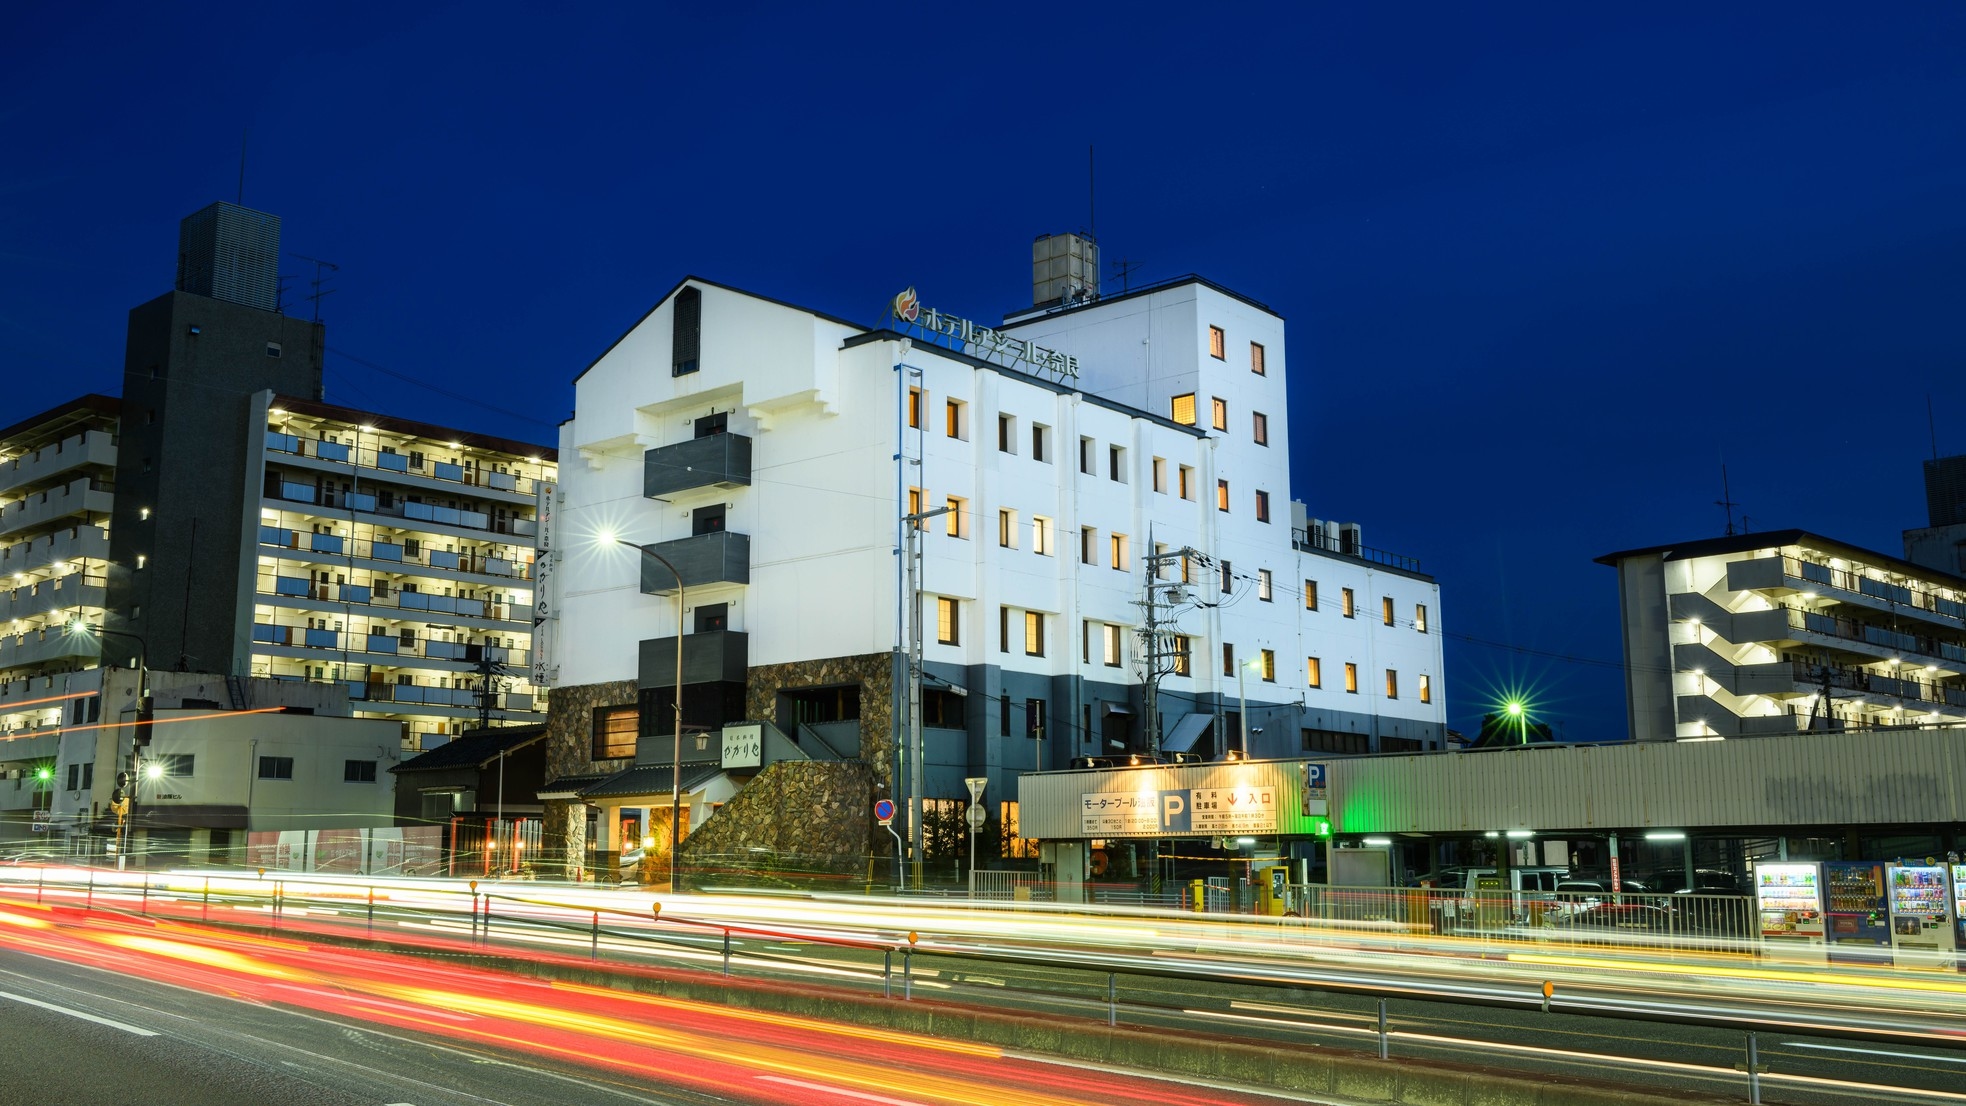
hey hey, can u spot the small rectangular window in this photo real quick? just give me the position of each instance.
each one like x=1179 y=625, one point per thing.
x=1386 y=610
x=1085 y=456
x=1033 y=634
x=1003 y=629
x=1221 y=410
x=1262 y=506
x=914 y=408
x=1392 y=684
x=1310 y=595
x=1267 y=665
x=272 y=349
x=1041 y=536
x=1420 y=618
x=1228 y=578
x=1256 y=359
x=1228 y=659
x=1121 y=552
x=276 y=768
x=1085 y=641
x=1116 y=463
x=1187 y=482
x=1040 y=442
x=1314 y=672
x=1003 y=716
x=957 y=421
x=958 y=516
x=1351 y=677
x=1160 y=475
x=1183 y=410
x=1426 y=689
x=1007 y=528
x=614 y=731
x=1263 y=585
x=947 y=624
x=1183 y=655
x=1111 y=634
x=1222 y=495
x=1088 y=546
x=1218 y=344
x=1259 y=427
x=686 y=335
x=175 y=764
x=1006 y=434
x=358 y=771
x=1347 y=604
x=916 y=498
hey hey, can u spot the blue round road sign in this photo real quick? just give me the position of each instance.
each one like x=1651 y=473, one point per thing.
x=884 y=809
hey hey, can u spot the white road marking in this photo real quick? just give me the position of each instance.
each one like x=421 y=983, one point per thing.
x=840 y=1091
x=1874 y=1052
x=1168 y=1077
x=110 y=1022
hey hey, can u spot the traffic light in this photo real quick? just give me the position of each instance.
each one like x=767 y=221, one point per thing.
x=119 y=796
x=123 y=782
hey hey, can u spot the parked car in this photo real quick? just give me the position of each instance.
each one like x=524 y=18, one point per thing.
x=1623 y=915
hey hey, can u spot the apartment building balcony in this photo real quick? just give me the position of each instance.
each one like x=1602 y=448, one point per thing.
x=335 y=549
x=91 y=447
x=77 y=543
x=1785 y=576
x=70 y=592
x=28 y=743
x=304 y=594
x=46 y=645
x=310 y=645
x=1773 y=678
x=410 y=469
x=43 y=508
x=705 y=559
x=1905 y=689
x=337 y=506
x=712 y=461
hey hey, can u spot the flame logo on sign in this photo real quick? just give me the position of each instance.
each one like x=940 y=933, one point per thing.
x=906 y=305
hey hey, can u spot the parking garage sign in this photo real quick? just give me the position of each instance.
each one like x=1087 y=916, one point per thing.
x=1317 y=789
x=1199 y=811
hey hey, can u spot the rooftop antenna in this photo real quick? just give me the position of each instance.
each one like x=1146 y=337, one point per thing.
x=321 y=268
x=1726 y=500
x=1123 y=268
x=244 y=132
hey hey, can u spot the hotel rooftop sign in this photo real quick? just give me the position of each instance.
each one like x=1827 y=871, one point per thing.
x=981 y=341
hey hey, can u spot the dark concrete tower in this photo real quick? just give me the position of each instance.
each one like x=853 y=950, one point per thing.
x=186 y=473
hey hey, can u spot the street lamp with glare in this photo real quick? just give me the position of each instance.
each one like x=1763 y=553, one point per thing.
x=129 y=819
x=1254 y=664
x=676 y=764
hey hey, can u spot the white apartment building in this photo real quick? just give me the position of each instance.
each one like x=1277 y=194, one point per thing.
x=1786 y=631
x=57 y=488
x=770 y=453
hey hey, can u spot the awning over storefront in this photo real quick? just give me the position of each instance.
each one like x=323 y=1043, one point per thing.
x=1186 y=732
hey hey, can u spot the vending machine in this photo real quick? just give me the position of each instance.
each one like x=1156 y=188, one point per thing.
x=1959 y=912
x=1857 y=921
x=1922 y=933
x=1788 y=899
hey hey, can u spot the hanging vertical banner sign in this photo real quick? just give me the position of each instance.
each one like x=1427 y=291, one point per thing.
x=545 y=600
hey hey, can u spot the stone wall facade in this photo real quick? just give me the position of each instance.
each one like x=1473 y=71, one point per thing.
x=818 y=811
x=874 y=672
x=570 y=752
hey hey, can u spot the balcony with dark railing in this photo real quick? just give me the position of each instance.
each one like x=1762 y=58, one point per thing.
x=1813 y=676
x=712 y=461
x=1318 y=541
x=1794 y=574
x=407 y=464
x=722 y=557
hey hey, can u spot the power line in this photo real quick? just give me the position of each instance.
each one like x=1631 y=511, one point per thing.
x=447 y=393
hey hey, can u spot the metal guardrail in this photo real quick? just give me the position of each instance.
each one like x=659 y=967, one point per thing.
x=1707 y=923
x=283 y=901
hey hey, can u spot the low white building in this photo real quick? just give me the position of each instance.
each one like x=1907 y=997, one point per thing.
x=770 y=453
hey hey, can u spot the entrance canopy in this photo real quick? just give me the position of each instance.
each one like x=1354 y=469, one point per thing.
x=1186 y=732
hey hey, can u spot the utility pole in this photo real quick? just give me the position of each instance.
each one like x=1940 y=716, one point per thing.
x=913 y=567
x=1157 y=653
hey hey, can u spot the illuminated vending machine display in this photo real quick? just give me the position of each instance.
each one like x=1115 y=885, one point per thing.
x=1788 y=899
x=1858 y=919
x=1921 y=916
x=1959 y=911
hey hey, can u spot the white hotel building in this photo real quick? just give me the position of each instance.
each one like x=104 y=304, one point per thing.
x=770 y=453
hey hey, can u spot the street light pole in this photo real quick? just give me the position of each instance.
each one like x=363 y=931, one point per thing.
x=129 y=819
x=676 y=764
x=914 y=569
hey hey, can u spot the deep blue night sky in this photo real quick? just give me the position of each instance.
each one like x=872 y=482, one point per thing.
x=1545 y=270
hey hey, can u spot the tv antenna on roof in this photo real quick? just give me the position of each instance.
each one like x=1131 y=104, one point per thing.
x=321 y=268
x=1726 y=500
x=1123 y=268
